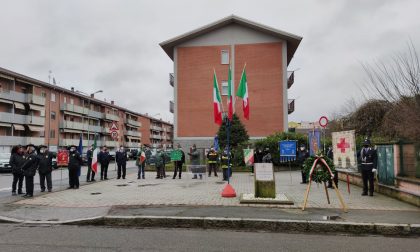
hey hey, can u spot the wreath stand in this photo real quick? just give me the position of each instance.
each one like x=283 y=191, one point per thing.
x=325 y=165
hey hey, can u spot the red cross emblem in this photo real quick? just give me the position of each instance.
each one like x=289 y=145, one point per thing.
x=343 y=145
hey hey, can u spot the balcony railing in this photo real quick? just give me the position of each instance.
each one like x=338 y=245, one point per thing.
x=21 y=119
x=111 y=143
x=171 y=79
x=111 y=117
x=73 y=125
x=290 y=78
x=156 y=128
x=94 y=128
x=133 y=122
x=16 y=140
x=291 y=106
x=132 y=133
x=35 y=99
x=156 y=136
x=171 y=106
x=74 y=108
x=133 y=145
x=95 y=114
x=13 y=96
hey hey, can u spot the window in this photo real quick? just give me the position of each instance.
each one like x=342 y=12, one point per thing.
x=42 y=133
x=52 y=115
x=53 y=97
x=71 y=101
x=43 y=94
x=225 y=57
x=65 y=99
x=52 y=133
x=224 y=88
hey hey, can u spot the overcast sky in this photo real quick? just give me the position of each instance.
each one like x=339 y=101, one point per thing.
x=114 y=45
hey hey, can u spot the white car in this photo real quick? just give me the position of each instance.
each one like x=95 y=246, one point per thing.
x=4 y=162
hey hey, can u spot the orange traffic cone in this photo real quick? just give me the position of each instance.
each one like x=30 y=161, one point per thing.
x=228 y=192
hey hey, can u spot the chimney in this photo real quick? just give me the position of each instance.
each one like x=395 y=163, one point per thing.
x=112 y=102
x=92 y=95
x=72 y=89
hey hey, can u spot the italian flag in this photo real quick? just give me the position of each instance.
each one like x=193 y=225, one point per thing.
x=217 y=101
x=95 y=157
x=142 y=157
x=243 y=93
x=249 y=156
x=231 y=91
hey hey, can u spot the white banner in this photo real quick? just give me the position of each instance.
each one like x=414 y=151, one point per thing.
x=344 y=149
x=264 y=171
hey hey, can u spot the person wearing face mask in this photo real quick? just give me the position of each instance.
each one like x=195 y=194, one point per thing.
x=159 y=164
x=29 y=170
x=121 y=158
x=75 y=161
x=45 y=168
x=90 y=177
x=104 y=158
x=212 y=158
x=195 y=159
x=369 y=164
x=225 y=159
x=16 y=161
x=178 y=164
x=303 y=154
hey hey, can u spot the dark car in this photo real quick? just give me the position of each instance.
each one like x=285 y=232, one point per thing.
x=4 y=162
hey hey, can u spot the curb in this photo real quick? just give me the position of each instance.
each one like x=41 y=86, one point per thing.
x=246 y=224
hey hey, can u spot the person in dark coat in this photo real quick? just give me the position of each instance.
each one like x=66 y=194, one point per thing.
x=159 y=164
x=104 y=158
x=267 y=156
x=121 y=157
x=178 y=164
x=16 y=161
x=369 y=159
x=303 y=154
x=75 y=162
x=45 y=168
x=212 y=158
x=330 y=155
x=29 y=169
x=90 y=173
x=195 y=159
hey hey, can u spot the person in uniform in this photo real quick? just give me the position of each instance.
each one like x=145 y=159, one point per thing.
x=141 y=165
x=75 y=162
x=267 y=156
x=159 y=164
x=121 y=158
x=16 y=161
x=178 y=164
x=195 y=159
x=45 y=168
x=303 y=154
x=90 y=177
x=104 y=159
x=212 y=158
x=369 y=159
x=29 y=169
x=225 y=164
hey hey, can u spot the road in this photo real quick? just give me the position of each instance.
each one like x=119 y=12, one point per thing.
x=59 y=178
x=73 y=238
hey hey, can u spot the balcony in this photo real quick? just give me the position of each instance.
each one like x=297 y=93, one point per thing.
x=111 y=117
x=35 y=99
x=171 y=107
x=156 y=128
x=132 y=145
x=22 y=97
x=111 y=143
x=16 y=140
x=95 y=114
x=21 y=119
x=291 y=106
x=171 y=79
x=95 y=128
x=156 y=136
x=73 y=125
x=132 y=122
x=132 y=133
x=74 y=108
x=290 y=78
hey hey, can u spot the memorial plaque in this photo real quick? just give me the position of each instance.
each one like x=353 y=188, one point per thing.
x=264 y=172
x=265 y=186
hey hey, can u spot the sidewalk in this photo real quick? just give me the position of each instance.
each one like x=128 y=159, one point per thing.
x=192 y=200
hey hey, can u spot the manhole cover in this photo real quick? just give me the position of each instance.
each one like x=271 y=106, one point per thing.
x=123 y=185
x=95 y=193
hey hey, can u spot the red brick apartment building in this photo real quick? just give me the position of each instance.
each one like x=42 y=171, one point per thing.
x=32 y=111
x=266 y=51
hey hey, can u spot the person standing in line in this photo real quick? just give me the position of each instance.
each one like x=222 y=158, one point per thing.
x=267 y=156
x=45 y=168
x=121 y=158
x=141 y=164
x=225 y=164
x=29 y=170
x=369 y=164
x=90 y=177
x=159 y=164
x=303 y=154
x=195 y=159
x=16 y=161
x=212 y=158
x=178 y=164
x=75 y=162
x=104 y=159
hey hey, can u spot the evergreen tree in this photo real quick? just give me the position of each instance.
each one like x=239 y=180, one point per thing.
x=238 y=133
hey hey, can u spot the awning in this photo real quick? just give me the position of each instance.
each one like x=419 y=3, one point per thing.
x=36 y=128
x=5 y=125
x=6 y=101
x=133 y=138
x=71 y=131
x=19 y=105
x=73 y=114
x=36 y=107
x=18 y=127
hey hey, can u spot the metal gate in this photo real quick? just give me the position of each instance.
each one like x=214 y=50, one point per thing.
x=386 y=164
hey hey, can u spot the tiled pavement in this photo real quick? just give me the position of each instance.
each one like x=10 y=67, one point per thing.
x=204 y=192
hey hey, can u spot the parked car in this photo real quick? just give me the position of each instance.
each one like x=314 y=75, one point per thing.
x=4 y=162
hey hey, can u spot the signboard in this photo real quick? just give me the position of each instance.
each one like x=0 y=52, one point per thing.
x=176 y=155
x=62 y=158
x=264 y=172
x=344 y=149
x=314 y=142
x=114 y=131
x=287 y=150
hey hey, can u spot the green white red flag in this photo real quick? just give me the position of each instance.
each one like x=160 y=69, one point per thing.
x=217 y=101
x=95 y=157
x=231 y=97
x=142 y=157
x=243 y=93
x=249 y=157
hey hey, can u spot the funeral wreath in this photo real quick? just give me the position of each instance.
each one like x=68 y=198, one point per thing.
x=321 y=167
